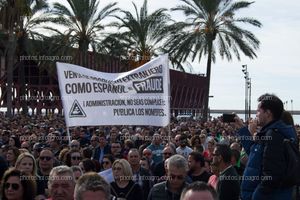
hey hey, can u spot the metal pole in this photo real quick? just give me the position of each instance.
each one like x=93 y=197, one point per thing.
x=250 y=97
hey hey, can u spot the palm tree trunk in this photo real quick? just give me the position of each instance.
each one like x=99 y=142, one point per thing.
x=208 y=73
x=10 y=70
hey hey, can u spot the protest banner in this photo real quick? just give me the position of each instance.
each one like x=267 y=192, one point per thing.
x=136 y=97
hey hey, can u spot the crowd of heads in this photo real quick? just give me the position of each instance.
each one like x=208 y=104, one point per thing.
x=39 y=159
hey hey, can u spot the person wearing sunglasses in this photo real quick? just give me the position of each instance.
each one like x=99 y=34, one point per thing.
x=159 y=170
x=73 y=158
x=17 y=186
x=45 y=163
x=176 y=175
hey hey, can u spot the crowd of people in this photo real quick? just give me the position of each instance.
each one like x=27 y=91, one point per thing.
x=186 y=160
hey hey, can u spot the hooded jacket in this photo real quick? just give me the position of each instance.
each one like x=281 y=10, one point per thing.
x=266 y=162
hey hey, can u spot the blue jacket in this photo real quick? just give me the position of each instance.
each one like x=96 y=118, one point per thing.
x=266 y=162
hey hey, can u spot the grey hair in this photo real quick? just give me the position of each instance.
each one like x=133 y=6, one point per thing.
x=91 y=182
x=59 y=170
x=178 y=161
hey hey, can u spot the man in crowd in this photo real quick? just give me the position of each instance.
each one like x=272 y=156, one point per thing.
x=183 y=149
x=91 y=186
x=266 y=156
x=172 y=188
x=159 y=169
x=198 y=191
x=116 y=150
x=102 y=149
x=46 y=163
x=61 y=183
x=228 y=187
x=156 y=148
x=197 y=171
x=140 y=175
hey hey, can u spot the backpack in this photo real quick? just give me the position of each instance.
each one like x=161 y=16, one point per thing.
x=292 y=157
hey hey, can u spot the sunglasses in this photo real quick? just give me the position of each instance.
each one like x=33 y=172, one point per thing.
x=74 y=146
x=167 y=153
x=45 y=158
x=147 y=154
x=14 y=186
x=106 y=162
x=76 y=158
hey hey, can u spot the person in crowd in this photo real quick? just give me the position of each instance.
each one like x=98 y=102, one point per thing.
x=3 y=167
x=123 y=186
x=235 y=157
x=210 y=148
x=91 y=186
x=159 y=169
x=198 y=191
x=14 y=141
x=75 y=145
x=144 y=163
x=148 y=154
x=156 y=148
x=213 y=179
x=183 y=149
x=17 y=186
x=228 y=186
x=114 y=135
x=73 y=158
x=197 y=171
x=87 y=165
x=103 y=149
x=94 y=143
x=12 y=155
x=77 y=171
x=36 y=150
x=265 y=156
x=108 y=160
x=141 y=175
x=27 y=164
x=171 y=189
x=61 y=183
x=116 y=149
x=45 y=163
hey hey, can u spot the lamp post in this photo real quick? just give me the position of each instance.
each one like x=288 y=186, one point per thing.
x=249 y=87
x=292 y=107
x=244 y=70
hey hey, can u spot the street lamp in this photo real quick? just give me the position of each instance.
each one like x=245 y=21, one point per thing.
x=292 y=106
x=244 y=70
x=249 y=87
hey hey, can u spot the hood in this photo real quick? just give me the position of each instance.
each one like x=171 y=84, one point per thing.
x=288 y=131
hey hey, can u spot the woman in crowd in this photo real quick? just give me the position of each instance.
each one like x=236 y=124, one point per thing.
x=107 y=161
x=73 y=158
x=210 y=148
x=17 y=186
x=12 y=155
x=123 y=186
x=28 y=165
x=14 y=141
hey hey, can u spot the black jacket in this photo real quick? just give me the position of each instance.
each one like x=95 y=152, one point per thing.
x=228 y=187
x=160 y=191
x=97 y=152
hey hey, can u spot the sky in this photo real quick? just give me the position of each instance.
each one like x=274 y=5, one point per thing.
x=275 y=70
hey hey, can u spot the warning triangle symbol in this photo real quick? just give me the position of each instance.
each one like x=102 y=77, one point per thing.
x=76 y=110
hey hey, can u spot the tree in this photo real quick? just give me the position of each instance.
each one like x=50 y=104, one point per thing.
x=82 y=21
x=211 y=26
x=142 y=33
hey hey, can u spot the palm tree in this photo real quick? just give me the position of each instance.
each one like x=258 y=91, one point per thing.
x=211 y=26
x=142 y=33
x=83 y=23
x=20 y=19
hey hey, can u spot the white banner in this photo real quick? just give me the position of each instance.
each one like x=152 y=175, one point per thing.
x=137 y=97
